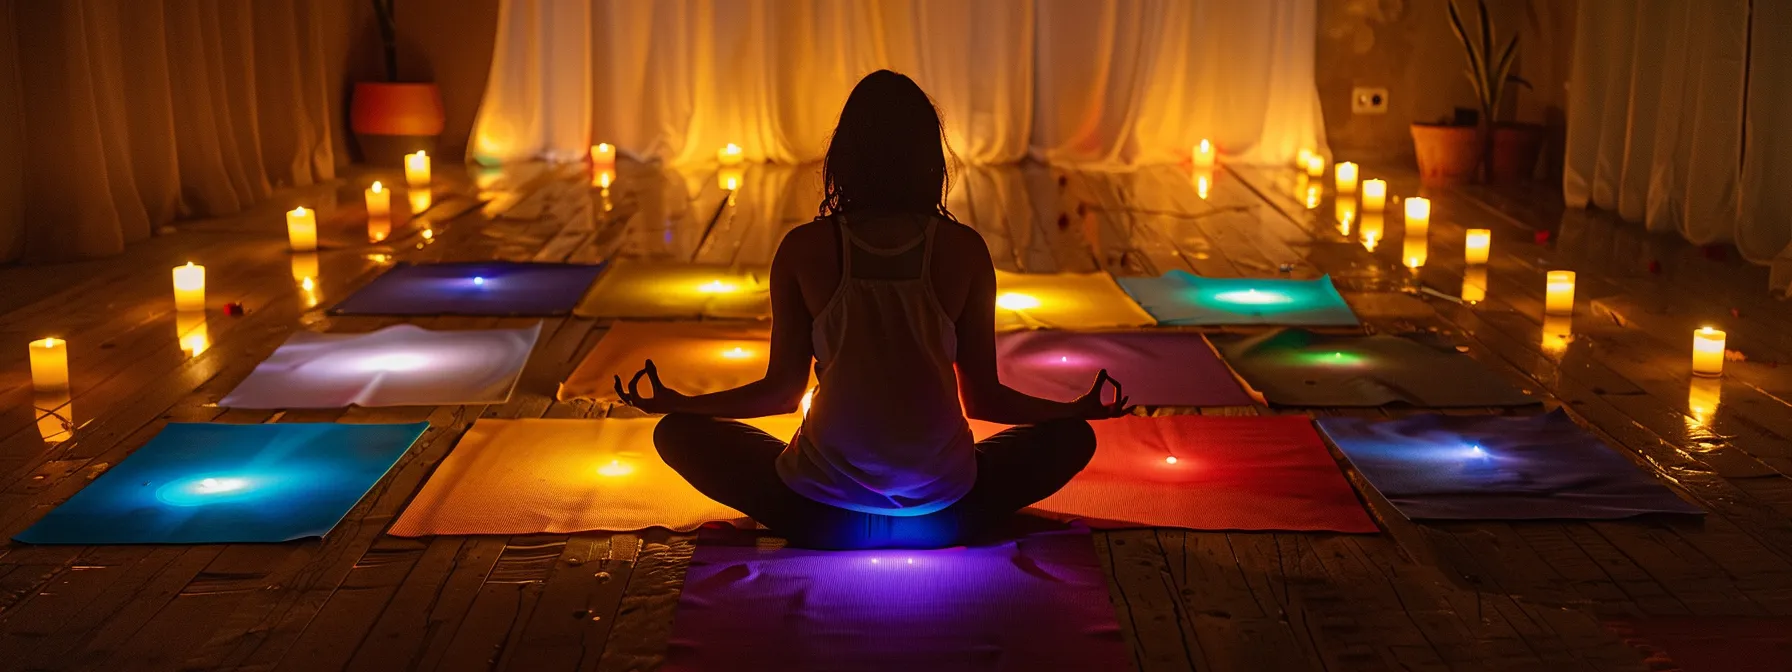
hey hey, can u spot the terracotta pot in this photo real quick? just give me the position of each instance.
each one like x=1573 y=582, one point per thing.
x=1447 y=154
x=1515 y=151
x=391 y=120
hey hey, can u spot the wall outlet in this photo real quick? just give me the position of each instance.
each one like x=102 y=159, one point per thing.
x=1369 y=100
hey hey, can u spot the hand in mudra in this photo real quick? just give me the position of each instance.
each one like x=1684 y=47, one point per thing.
x=663 y=399
x=1090 y=406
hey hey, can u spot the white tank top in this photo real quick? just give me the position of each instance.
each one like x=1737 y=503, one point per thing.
x=885 y=433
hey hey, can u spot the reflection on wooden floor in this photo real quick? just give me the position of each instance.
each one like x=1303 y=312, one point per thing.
x=1451 y=596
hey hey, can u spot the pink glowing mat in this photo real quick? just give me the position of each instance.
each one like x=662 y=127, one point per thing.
x=1208 y=473
x=692 y=357
x=400 y=365
x=635 y=289
x=1037 y=603
x=1163 y=368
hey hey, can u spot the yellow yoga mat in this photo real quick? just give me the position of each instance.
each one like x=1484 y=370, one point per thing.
x=1064 y=301
x=670 y=290
x=563 y=476
x=692 y=358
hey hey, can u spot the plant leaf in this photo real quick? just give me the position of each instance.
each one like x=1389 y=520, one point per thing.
x=1475 y=69
x=1498 y=77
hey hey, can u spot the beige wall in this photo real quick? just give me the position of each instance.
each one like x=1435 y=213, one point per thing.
x=449 y=43
x=1407 y=46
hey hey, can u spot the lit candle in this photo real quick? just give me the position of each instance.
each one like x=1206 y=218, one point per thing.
x=1371 y=228
x=603 y=155
x=49 y=364
x=1204 y=154
x=416 y=170
x=729 y=179
x=378 y=229
x=1559 y=297
x=1344 y=175
x=729 y=155
x=1345 y=209
x=1375 y=195
x=1418 y=212
x=1708 y=352
x=189 y=329
x=1477 y=246
x=1474 y=284
x=301 y=229
x=1305 y=155
x=1203 y=182
x=189 y=287
x=379 y=201
x=1316 y=165
x=421 y=199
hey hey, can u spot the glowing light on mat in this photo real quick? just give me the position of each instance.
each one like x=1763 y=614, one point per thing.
x=212 y=486
x=1253 y=297
x=49 y=364
x=378 y=229
x=716 y=287
x=1204 y=154
x=615 y=468
x=1063 y=360
x=428 y=234
x=307 y=284
x=206 y=490
x=1171 y=459
x=398 y=361
x=1331 y=359
x=478 y=280
x=1345 y=210
x=736 y=353
x=1016 y=301
x=1558 y=331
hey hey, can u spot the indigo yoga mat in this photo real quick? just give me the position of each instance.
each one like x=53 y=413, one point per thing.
x=218 y=483
x=1454 y=467
x=692 y=358
x=1296 y=367
x=1182 y=298
x=1162 y=368
x=1064 y=301
x=635 y=289
x=497 y=288
x=401 y=365
x=1037 y=603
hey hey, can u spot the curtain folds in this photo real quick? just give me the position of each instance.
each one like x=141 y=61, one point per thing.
x=1097 y=84
x=130 y=114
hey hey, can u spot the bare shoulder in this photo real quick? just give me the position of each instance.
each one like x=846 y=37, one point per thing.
x=959 y=243
x=807 y=239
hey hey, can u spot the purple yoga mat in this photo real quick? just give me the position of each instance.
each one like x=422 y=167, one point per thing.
x=1037 y=603
x=1456 y=467
x=496 y=288
x=1156 y=368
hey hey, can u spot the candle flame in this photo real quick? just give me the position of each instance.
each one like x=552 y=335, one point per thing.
x=308 y=284
x=48 y=342
x=377 y=187
x=1707 y=331
x=603 y=147
x=300 y=211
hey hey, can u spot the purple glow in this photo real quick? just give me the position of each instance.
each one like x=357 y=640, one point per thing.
x=397 y=366
x=393 y=361
x=477 y=280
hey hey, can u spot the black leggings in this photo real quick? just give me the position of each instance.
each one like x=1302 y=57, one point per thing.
x=734 y=463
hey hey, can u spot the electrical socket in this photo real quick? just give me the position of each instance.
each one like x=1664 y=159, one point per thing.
x=1369 y=100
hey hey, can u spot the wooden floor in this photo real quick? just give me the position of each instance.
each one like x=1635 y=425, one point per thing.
x=1451 y=596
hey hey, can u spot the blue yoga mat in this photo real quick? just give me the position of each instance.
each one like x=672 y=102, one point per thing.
x=489 y=288
x=216 y=483
x=1465 y=467
x=1183 y=299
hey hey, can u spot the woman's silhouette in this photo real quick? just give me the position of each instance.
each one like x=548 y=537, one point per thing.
x=886 y=292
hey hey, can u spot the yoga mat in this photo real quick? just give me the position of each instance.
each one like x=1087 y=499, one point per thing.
x=482 y=288
x=1295 y=367
x=692 y=358
x=214 y=484
x=1709 y=644
x=1064 y=301
x=1036 y=603
x=669 y=290
x=562 y=476
x=1453 y=467
x=1158 y=368
x=400 y=365
x=1230 y=473
x=1182 y=298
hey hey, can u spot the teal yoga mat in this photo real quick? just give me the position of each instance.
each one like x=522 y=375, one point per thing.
x=216 y=483
x=1179 y=298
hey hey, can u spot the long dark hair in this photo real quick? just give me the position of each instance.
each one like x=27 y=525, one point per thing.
x=888 y=151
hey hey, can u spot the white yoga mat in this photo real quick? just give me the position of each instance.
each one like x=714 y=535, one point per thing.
x=401 y=365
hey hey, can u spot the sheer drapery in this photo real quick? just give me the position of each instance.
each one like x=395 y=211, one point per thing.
x=130 y=114
x=1091 y=83
x=1670 y=121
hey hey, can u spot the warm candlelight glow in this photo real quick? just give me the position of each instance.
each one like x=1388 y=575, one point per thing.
x=808 y=397
x=416 y=170
x=49 y=364
x=1558 y=330
x=378 y=229
x=1559 y=297
x=1344 y=177
x=1702 y=399
x=730 y=155
x=1375 y=195
x=1013 y=301
x=1476 y=246
x=301 y=229
x=729 y=179
x=190 y=331
x=1418 y=212
x=1316 y=166
x=736 y=353
x=603 y=155
x=716 y=287
x=1345 y=210
x=1708 y=352
x=189 y=287
x=428 y=233
x=1371 y=227
x=1474 y=284
x=1305 y=155
x=421 y=199
x=1204 y=154
x=55 y=415
x=1314 y=191
x=1203 y=182
x=615 y=468
x=602 y=178
x=379 y=201
x=1170 y=459
x=1417 y=248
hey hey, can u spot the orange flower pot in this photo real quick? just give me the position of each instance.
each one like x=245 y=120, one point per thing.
x=393 y=119
x=1447 y=154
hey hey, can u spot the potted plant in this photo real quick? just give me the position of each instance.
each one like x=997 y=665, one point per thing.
x=392 y=118
x=1453 y=152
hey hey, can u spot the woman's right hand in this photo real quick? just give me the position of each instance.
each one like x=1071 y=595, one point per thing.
x=1091 y=407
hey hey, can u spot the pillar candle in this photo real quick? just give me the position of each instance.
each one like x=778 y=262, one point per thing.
x=1345 y=209
x=1375 y=195
x=1344 y=175
x=1708 y=352
x=301 y=229
x=1418 y=212
x=730 y=155
x=379 y=201
x=49 y=364
x=416 y=170
x=1474 y=284
x=1477 y=245
x=1204 y=154
x=1316 y=166
x=1559 y=297
x=1203 y=182
x=189 y=287
x=603 y=155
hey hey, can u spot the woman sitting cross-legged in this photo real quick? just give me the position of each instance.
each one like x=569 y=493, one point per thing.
x=886 y=292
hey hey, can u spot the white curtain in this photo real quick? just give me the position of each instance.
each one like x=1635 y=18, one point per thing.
x=1671 y=121
x=1101 y=84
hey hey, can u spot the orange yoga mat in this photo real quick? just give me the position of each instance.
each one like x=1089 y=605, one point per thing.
x=1208 y=473
x=632 y=288
x=1064 y=301
x=562 y=476
x=692 y=358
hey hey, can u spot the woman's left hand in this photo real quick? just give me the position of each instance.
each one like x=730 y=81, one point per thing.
x=663 y=400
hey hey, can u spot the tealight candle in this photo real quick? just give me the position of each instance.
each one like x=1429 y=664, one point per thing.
x=1418 y=212
x=189 y=287
x=1559 y=293
x=1345 y=210
x=301 y=229
x=1708 y=352
x=1315 y=165
x=1204 y=154
x=730 y=155
x=1474 y=284
x=1344 y=176
x=49 y=364
x=416 y=170
x=1375 y=195
x=603 y=155
x=729 y=179
x=1476 y=246
x=379 y=201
